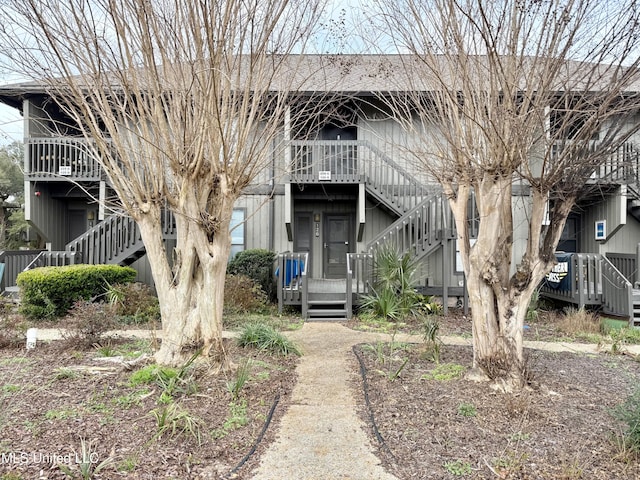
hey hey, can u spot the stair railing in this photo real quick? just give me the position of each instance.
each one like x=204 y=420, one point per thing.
x=619 y=166
x=617 y=291
x=356 y=161
x=419 y=230
x=116 y=238
x=359 y=266
x=108 y=241
x=389 y=181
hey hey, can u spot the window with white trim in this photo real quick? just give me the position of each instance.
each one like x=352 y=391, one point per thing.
x=236 y=227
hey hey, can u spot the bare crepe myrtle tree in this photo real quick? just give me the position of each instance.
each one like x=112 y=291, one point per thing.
x=186 y=102
x=538 y=94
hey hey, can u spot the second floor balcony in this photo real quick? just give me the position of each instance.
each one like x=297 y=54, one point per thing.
x=61 y=159
x=317 y=161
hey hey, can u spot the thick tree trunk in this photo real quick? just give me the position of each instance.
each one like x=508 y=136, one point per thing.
x=499 y=297
x=192 y=319
x=497 y=310
x=191 y=294
x=498 y=322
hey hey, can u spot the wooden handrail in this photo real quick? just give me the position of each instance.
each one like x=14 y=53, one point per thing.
x=617 y=291
x=115 y=238
x=626 y=263
x=61 y=158
x=356 y=161
x=291 y=272
x=358 y=275
x=418 y=230
x=108 y=240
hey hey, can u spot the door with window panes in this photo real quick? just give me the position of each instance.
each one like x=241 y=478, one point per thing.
x=337 y=235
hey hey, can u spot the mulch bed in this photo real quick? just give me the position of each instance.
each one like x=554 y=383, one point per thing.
x=53 y=399
x=562 y=428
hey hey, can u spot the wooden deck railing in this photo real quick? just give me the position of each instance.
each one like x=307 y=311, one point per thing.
x=583 y=282
x=357 y=161
x=17 y=261
x=591 y=279
x=291 y=271
x=359 y=271
x=62 y=158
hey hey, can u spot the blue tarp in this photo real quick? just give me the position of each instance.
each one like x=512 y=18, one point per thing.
x=292 y=270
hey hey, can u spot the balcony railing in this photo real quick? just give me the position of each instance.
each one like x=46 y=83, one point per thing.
x=618 y=166
x=325 y=161
x=61 y=158
x=337 y=161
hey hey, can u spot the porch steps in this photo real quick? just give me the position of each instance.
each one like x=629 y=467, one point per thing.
x=327 y=309
x=635 y=319
x=326 y=305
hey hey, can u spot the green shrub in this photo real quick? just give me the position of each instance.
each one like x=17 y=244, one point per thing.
x=258 y=265
x=243 y=295
x=265 y=337
x=49 y=292
x=133 y=303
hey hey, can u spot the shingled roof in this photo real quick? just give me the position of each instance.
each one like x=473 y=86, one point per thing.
x=366 y=74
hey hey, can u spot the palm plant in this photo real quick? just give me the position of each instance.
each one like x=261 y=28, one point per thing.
x=394 y=295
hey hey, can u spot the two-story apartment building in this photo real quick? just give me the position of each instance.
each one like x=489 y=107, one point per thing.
x=334 y=192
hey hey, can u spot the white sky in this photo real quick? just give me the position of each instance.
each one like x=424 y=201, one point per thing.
x=11 y=126
x=11 y=123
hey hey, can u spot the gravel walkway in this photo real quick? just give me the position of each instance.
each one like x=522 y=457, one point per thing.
x=321 y=437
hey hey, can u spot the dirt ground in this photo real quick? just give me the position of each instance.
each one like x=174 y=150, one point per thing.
x=54 y=401
x=436 y=427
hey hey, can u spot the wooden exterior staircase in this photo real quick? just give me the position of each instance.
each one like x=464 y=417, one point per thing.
x=424 y=220
x=116 y=240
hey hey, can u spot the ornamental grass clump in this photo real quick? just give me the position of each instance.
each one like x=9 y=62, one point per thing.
x=264 y=337
x=629 y=414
